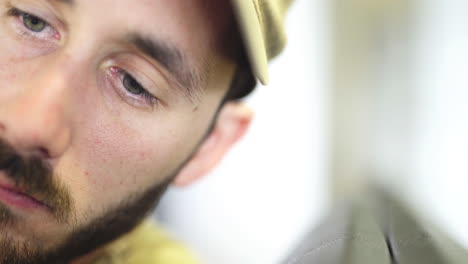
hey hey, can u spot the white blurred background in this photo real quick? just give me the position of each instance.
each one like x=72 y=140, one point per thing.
x=399 y=104
x=366 y=89
x=435 y=143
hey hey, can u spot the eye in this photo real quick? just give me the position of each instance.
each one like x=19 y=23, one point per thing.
x=130 y=89
x=33 y=26
x=33 y=23
x=132 y=86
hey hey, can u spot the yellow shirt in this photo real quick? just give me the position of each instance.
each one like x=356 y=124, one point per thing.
x=146 y=245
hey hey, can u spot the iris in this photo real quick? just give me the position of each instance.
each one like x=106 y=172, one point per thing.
x=132 y=86
x=34 y=23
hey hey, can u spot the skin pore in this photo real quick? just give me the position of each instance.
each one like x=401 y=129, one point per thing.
x=112 y=100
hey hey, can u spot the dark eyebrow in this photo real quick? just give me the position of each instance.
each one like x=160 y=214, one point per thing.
x=67 y=2
x=173 y=60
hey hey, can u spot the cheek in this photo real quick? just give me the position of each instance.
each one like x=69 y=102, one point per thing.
x=14 y=72
x=12 y=75
x=10 y=71
x=116 y=160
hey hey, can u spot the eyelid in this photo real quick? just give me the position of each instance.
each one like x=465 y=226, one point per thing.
x=164 y=74
x=116 y=76
x=51 y=20
x=148 y=83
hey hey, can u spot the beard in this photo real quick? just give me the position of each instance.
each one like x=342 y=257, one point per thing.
x=35 y=176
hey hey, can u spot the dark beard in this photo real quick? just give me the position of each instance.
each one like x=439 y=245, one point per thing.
x=115 y=223
x=35 y=176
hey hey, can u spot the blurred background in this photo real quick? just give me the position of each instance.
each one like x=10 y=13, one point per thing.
x=366 y=90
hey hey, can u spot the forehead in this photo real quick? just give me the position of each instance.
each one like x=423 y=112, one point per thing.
x=183 y=21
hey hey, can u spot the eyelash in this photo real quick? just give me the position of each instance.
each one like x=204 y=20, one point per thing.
x=49 y=30
x=120 y=74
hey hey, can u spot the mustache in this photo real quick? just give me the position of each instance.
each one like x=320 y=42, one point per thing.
x=34 y=176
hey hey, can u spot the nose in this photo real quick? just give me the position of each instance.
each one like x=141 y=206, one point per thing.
x=35 y=121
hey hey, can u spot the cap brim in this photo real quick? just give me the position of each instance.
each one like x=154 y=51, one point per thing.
x=251 y=29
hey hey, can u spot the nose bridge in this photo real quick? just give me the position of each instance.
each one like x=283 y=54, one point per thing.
x=36 y=119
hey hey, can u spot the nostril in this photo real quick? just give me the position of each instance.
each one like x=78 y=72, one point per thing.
x=43 y=152
x=2 y=127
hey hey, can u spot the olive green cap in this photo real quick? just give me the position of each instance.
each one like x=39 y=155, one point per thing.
x=262 y=25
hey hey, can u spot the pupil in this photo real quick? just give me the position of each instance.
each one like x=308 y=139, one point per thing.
x=34 y=21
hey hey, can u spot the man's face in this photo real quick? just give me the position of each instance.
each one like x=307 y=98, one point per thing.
x=110 y=96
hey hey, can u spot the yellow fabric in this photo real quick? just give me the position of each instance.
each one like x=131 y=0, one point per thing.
x=146 y=245
x=262 y=25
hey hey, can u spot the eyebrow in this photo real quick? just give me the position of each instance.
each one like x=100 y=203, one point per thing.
x=173 y=59
x=67 y=2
